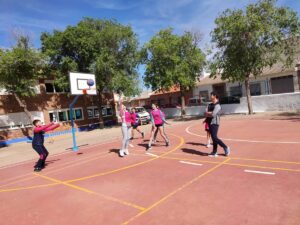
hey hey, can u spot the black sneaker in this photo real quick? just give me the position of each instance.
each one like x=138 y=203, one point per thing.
x=37 y=169
x=148 y=148
x=143 y=135
x=131 y=138
x=167 y=143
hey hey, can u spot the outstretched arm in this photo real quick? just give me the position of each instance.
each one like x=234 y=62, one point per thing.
x=54 y=126
x=42 y=128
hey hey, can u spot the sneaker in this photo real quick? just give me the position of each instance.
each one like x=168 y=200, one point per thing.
x=131 y=138
x=37 y=169
x=208 y=145
x=213 y=155
x=168 y=143
x=126 y=152
x=121 y=153
x=148 y=148
x=143 y=135
x=227 y=151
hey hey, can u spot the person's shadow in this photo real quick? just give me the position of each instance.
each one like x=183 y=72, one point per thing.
x=194 y=152
x=195 y=143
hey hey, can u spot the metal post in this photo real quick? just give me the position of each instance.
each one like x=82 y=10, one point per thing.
x=75 y=147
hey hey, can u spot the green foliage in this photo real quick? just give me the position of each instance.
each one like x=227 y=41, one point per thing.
x=172 y=60
x=103 y=47
x=249 y=41
x=20 y=68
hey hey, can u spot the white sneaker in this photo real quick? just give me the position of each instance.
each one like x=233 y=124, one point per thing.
x=126 y=152
x=227 y=151
x=208 y=145
x=213 y=155
x=121 y=153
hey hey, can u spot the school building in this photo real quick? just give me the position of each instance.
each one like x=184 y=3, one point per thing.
x=275 y=80
x=51 y=104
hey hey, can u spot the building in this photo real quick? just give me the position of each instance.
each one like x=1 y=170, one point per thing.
x=51 y=104
x=275 y=80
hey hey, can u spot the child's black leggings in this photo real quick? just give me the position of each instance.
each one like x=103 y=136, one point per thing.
x=43 y=153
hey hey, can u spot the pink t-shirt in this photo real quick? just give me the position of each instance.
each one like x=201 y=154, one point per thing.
x=156 y=115
x=125 y=116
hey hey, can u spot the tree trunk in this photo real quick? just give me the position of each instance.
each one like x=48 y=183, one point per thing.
x=101 y=122
x=182 y=103
x=22 y=105
x=248 y=94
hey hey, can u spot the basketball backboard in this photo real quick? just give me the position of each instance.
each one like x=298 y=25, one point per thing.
x=79 y=84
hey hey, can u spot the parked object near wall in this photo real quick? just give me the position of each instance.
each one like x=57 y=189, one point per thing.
x=289 y=102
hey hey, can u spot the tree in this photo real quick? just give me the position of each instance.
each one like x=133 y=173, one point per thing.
x=173 y=60
x=103 y=47
x=250 y=40
x=20 y=68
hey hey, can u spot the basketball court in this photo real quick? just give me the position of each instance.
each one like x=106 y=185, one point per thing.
x=257 y=184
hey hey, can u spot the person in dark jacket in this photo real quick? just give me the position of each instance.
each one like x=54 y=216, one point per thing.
x=38 y=142
x=214 y=115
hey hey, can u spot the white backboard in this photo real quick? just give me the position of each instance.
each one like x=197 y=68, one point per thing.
x=78 y=83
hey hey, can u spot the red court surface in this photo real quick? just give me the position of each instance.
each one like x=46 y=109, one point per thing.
x=258 y=184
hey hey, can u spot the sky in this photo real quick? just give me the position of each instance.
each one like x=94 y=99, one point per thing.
x=147 y=17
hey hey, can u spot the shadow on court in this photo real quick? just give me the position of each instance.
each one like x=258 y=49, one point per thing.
x=194 y=152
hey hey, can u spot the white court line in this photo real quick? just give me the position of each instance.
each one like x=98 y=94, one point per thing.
x=190 y=163
x=131 y=145
x=241 y=140
x=260 y=172
x=151 y=154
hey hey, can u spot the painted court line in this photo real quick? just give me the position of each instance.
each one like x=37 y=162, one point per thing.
x=76 y=187
x=175 y=191
x=259 y=172
x=57 y=154
x=130 y=166
x=131 y=145
x=187 y=130
x=151 y=154
x=190 y=163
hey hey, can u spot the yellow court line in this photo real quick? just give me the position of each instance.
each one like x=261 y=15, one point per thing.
x=176 y=191
x=232 y=164
x=68 y=165
x=251 y=159
x=266 y=160
x=27 y=188
x=130 y=166
x=92 y=192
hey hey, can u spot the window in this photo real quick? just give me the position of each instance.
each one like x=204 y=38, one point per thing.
x=204 y=95
x=236 y=91
x=49 y=87
x=96 y=112
x=93 y=111
x=103 y=111
x=255 y=89
x=282 y=84
x=109 y=111
x=90 y=113
x=78 y=114
x=64 y=115
x=54 y=88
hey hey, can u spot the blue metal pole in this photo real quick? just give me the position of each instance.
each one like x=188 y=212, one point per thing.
x=75 y=147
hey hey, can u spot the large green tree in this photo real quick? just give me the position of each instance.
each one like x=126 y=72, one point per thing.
x=103 y=47
x=172 y=60
x=248 y=41
x=20 y=68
